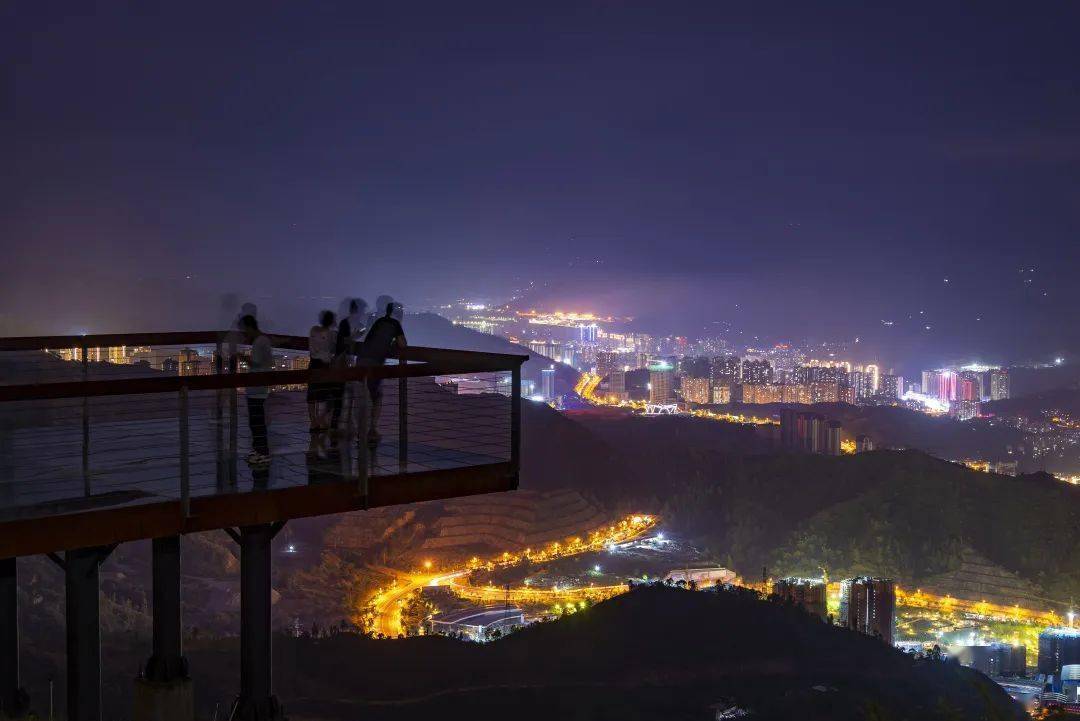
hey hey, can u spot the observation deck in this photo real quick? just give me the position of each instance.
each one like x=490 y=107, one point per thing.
x=113 y=438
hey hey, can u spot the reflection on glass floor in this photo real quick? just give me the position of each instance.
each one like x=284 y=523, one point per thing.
x=131 y=459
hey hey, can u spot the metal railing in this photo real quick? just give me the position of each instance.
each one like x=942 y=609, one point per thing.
x=114 y=419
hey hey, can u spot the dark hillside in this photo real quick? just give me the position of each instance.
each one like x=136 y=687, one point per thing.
x=654 y=653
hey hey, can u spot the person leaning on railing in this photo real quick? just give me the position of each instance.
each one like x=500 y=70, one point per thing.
x=386 y=338
x=260 y=361
x=321 y=342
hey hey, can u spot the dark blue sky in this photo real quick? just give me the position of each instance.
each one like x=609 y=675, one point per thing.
x=822 y=166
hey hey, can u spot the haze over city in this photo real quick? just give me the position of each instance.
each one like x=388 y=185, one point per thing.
x=800 y=172
x=588 y=360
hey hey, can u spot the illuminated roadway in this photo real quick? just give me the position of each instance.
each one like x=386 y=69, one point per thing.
x=388 y=602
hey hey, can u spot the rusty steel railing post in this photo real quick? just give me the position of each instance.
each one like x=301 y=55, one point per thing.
x=185 y=477
x=85 y=423
x=403 y=414
x=515 y=422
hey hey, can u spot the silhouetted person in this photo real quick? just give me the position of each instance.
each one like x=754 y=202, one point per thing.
x=261 y=360
x=385 y=338
x=350 y=330
x=381 y=304
x=321 y=344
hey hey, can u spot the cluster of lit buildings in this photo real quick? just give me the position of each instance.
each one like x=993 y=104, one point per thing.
x=867 y=604
x=959 y=391
x=809 y=433
x=199 y=361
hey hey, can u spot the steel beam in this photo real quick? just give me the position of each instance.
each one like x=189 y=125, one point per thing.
x=14 y=702
x=256 y=701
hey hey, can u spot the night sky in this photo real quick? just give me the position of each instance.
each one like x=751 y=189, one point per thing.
x=801 y=170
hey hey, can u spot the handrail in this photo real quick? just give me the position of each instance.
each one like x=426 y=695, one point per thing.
x=210 y=337
x=419 y=361
x=40 y=342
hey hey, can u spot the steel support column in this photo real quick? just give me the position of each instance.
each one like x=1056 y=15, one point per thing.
x=13 y=698
x=83 y=633
x=167 y=662
x=257 y=701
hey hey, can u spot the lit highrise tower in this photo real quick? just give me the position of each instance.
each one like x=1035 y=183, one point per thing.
x=547 y=383
x=661 y=383
x=999 y=384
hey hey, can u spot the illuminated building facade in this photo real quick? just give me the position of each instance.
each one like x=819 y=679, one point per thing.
x=721 y=394
x=661 y=383
x=762 y=393
x=587 y=333
x=477 y=624
x=890 y=387
x=547 y=384
x=977 y=380
x=808 y=593
x=796 y=394
x=868 y=605
x=859 y=382
x=548 y=348
x=875 y=377
x=1058 y=647
x=824 y=392
x=756 y=372
x=999 y=384
x=696 y=390
x=965 y=410
x=726 y=370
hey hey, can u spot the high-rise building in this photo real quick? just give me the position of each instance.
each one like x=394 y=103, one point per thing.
x=696 y=390
x=756 y=372
x=930 y=383
x=965 y=410
x=890 y=387
x=999 y=384
x=796 y=394
x=784 y=357
x=548 y=348
x=946 y=389
x=587 y=333
x=809 y=593
x=832 y=438
x=978 y=380
x=1058 y=647
x=694 y=366
x=824 y=392
x=661 y=383
x=762 y=393
x=721 y=393
x=860 y=383
x=726 y=370
x=996 y=659
x=547 y=383
x=875 y=377
x=617 y=385
x=809 y=432
x=868 y=605
x=966 y=389
x=788 y=429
